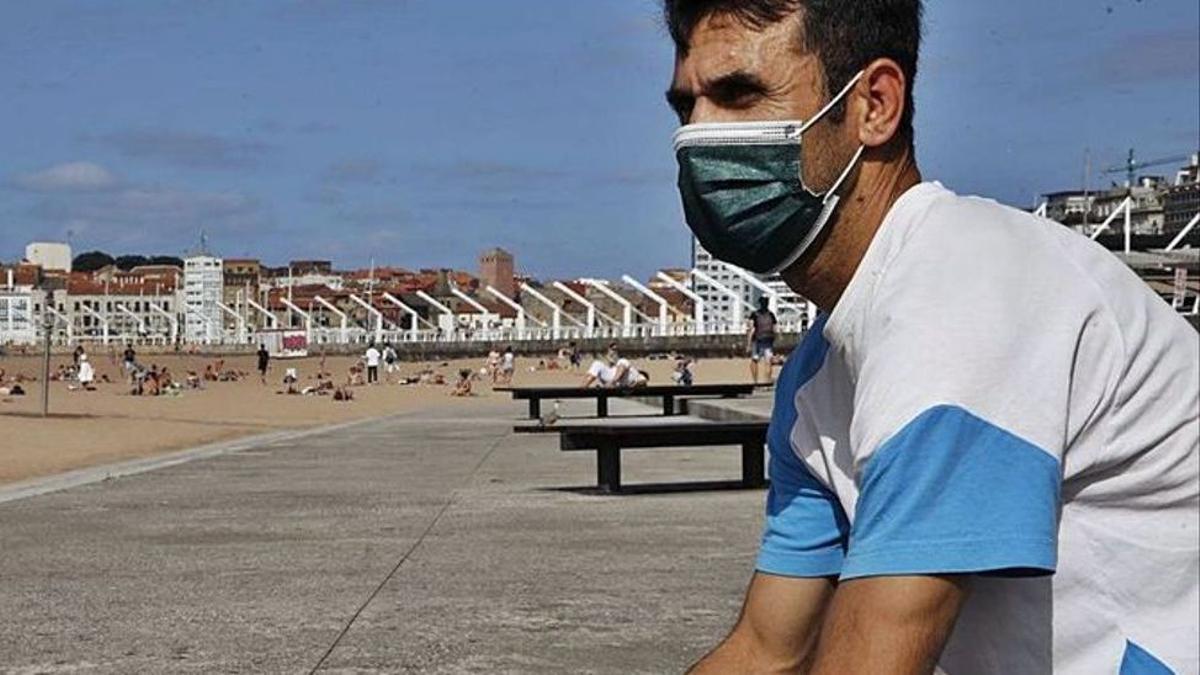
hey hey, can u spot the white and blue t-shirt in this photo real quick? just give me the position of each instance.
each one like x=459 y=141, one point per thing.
x=998 y=396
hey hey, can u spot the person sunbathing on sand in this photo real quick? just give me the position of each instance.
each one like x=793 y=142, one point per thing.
x=463 y=387
x=150 y=384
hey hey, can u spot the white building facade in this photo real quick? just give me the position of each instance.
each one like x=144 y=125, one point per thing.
x=49 y=255
x=203 y=289
x=792 y=310
x=18 y=325
x=718 y=305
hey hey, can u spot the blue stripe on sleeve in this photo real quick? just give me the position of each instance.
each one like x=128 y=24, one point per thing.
x=1138 y=661
x=806 y=529
x=952 y=493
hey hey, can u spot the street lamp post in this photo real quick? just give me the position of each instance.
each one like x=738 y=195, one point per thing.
x=48 y=324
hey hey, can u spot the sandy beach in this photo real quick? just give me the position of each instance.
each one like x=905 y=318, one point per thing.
x=109 y=424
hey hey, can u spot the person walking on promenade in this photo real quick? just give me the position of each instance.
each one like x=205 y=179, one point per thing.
x=371 y=358
x=761 y=338
x=264 y=362
x=391 y=361
x=985 y=455
x=129 y=362
x=508 y=366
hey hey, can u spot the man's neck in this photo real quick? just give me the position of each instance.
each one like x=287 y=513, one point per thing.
x=823 y=275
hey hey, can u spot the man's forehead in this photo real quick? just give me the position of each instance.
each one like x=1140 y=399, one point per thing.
x=721 y=44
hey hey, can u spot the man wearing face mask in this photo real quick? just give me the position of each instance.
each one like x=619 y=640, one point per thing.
x=984 y=456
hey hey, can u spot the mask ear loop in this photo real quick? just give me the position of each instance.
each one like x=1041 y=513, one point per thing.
x=832 y=191
x=832 y=102
x=829 y=202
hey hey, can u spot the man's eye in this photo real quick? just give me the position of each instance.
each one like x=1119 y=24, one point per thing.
x=740 y=98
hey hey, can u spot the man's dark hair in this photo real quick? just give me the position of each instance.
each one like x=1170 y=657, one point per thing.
x=845 y=35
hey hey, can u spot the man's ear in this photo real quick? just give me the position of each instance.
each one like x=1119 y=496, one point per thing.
x=881 y=95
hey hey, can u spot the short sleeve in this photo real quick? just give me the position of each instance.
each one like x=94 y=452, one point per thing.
x=806 y=528
x=596 y=369
x=972 y=377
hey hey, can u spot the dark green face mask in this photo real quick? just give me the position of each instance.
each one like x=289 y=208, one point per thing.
x=743 y=190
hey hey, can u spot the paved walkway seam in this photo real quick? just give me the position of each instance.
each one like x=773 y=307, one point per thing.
x=96 y=474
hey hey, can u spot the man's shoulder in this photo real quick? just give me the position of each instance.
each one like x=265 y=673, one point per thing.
x=969 y=255
x=957 y=231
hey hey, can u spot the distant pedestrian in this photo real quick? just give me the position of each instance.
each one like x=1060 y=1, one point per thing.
x=85 y=373
x=372 y=357
x=264 y=362
x=574 y=356
x=493 y=366
x=682 y=375
x=129 y=362
x=508 y=365
x=76 y=354
x=762 y=339
x=391 y=361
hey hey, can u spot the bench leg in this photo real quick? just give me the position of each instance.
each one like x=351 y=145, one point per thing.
x=535 y=408
x=752 y=465
x=668 y=405
x=608 y=468
x=602 y=406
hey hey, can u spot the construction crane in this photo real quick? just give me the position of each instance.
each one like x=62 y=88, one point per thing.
x=1132 y=166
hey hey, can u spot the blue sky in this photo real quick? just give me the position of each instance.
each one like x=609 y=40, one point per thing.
x=420 y=132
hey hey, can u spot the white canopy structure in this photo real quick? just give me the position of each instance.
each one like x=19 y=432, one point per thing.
x=141 y=323
x=344 y=334
x=293 y=308
x=67 y=322
x=99 y=317
x=521 y=316
x=272 y=320
x=663 y=306
x=480 y=307
x=697 y=301
x=1184 y=232
x=557 y=312
x=1125 y=207
x=627 y=308
x=446 y=311
x=373 y=312
x=590 y=326
x=237 y=317
x=416 y=317
x=738 y=302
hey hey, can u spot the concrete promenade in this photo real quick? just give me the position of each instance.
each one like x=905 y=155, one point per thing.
x=430 y=543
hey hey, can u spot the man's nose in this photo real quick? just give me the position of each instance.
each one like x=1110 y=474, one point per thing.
x=703 y=111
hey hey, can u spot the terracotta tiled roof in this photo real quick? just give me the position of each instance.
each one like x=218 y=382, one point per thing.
x=76 y=286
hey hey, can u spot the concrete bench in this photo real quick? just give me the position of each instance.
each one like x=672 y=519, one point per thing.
x=609 y=438
x=668 y=393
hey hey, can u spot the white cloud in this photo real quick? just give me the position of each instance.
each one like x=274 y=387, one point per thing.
x=188 y=149
x=68 y=177
x=153 y=217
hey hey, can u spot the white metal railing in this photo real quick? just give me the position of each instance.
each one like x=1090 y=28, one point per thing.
x=160 y=335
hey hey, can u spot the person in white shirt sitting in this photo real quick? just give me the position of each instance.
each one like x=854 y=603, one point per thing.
x=614 y=374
